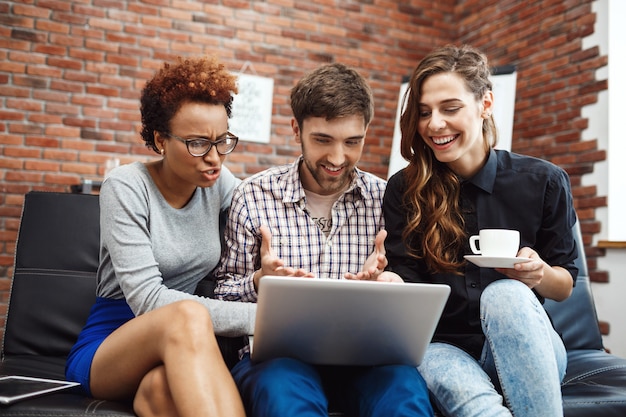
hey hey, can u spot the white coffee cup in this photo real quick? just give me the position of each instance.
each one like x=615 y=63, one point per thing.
x=499 y=243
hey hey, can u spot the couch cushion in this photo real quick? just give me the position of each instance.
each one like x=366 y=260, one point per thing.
x=47 y=310
x=594 y=385
x=70 y=402
x=62 y=232
x=66 y=404
x=575 y=318
x=53 y=287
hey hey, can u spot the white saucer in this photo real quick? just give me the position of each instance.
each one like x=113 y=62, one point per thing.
x=495 y=262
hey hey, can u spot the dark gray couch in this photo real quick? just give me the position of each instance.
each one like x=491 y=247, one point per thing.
x=54 y=288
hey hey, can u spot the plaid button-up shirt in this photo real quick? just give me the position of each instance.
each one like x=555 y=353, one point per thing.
x=275 y=198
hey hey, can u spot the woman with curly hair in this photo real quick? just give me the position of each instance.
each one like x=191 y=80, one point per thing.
x=148 y=339
x=495 y=351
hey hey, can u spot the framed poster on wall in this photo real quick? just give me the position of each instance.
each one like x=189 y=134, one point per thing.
x=252 y=108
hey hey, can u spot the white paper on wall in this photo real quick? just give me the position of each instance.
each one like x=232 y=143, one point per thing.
x=252 y=108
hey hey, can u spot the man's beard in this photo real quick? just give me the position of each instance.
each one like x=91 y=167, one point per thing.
x=327 y=183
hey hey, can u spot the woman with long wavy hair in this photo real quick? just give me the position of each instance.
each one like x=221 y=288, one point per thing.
x=495 y=351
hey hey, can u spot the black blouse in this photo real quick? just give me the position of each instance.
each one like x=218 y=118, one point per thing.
x=511 y=191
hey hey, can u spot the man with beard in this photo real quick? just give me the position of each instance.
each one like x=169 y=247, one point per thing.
x=317 y=217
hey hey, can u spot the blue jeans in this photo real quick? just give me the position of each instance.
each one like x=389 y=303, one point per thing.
x=523 y=360
x=289 y=387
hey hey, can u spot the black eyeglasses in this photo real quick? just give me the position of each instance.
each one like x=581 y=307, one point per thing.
x=199 y=146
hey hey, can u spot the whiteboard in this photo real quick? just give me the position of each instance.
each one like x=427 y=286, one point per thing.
x=504 y=80
x=396 y=162
x=504 y=85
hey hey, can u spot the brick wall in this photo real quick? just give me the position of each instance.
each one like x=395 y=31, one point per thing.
x=71 y=73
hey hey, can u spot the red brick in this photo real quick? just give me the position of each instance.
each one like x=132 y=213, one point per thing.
x=71 y=87
x=39 y=74
x=55 y=5
x=8 y=91
x=79 y=122
x=103 y=91
x=67 y=40
x=62 y=131
x=106 y=24
x=59 y=179
x=78 y=168
x=101 y=45
x=140 y=9
x=9 y=115
x=116 y=147
x=48 y=26
x=44 y=118
x=129 y=137
x=24 y=128
x=96 y=135
x=50 y=49
x=188 y=48
x=70 y=18
x=13 y=67
x=26 y=105
x=115 y=125
x=599 y=276
x=27 y=57
x=31 y=11
x=65 y=63
x=100 y=68
x=61 y=109
x=579 y=192
x=21 y=152
x=122 y=16
x=87 y=10
x=604 y=330
x=116 y=81
x=86 y=55
x=41 y=141
x=99 y=112
x=23 y=176
x=79 y=145
x=42 y=166
x=88 y=100
x=156 y=21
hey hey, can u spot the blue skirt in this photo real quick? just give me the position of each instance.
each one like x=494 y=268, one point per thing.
x=105 y=317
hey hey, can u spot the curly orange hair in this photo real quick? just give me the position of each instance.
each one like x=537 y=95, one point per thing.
x=202 y=79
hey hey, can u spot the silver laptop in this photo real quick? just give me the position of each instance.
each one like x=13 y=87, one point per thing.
x=344 y=322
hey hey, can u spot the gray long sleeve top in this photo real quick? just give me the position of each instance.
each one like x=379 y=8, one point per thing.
x=152 y=254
